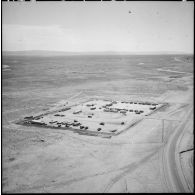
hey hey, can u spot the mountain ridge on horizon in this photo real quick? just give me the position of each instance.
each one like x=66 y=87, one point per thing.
x=51 y=53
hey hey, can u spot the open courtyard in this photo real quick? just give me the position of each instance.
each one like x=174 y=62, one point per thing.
x=95 y=117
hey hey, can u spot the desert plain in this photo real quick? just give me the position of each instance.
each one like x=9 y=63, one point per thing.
x=154 y=155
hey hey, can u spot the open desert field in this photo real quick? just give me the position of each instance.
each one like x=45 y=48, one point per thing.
x=154 y=155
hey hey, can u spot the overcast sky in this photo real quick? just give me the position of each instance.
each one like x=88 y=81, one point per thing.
x=98 y=26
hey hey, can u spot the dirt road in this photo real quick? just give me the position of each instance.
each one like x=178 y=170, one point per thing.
x=174 y=174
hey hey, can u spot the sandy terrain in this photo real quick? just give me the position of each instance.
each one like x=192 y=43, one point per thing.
x=186 y=154
x=51 y=160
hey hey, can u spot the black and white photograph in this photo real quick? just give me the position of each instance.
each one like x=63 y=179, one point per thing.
x=97 y=96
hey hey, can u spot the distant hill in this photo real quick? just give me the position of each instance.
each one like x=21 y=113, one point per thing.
x=62 y=53
x=38 y=53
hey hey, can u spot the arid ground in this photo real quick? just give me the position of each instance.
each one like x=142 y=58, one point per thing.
x=141 y=159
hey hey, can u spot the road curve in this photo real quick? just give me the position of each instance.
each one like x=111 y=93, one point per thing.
x=173 y=173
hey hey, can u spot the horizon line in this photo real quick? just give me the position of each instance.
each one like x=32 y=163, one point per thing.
x=82 y=52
